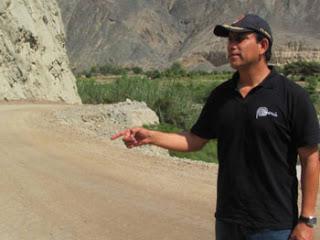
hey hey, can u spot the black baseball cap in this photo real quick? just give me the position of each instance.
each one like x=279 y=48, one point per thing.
x=247 y=23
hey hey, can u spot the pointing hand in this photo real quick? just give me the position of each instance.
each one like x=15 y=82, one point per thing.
x=134 y=137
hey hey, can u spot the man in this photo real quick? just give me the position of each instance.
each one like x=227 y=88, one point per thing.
x=261 y=121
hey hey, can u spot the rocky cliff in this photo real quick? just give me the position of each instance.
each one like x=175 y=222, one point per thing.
x=296 y=51
x=155 y=33
x=33 y=60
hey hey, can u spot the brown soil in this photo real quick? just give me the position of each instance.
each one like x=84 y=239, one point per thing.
x=58 y=184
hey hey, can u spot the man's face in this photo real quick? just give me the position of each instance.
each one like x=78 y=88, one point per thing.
x=243 y=49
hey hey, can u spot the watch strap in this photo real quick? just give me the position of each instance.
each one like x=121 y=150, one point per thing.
x=310 y=221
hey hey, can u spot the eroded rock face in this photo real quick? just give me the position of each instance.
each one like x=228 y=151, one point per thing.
x=33 y=60
x=296 y=51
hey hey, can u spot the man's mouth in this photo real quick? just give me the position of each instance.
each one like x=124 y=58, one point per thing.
x=234 y=55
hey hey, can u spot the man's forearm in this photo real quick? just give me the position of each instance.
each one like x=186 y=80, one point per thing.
x=309 y=183
x=183 y=142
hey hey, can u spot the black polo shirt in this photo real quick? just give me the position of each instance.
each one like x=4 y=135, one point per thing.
x=258 y=137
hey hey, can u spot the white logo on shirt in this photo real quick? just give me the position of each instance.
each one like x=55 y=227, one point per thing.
x=263 y=112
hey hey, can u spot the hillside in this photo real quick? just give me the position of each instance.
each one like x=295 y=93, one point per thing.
x=154 y=34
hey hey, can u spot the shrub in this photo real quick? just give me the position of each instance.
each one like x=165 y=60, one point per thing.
x=87 y=74
x=93 y=70
x=175 y=70
x=91 y=92
x=312 y=88
x=175 y=105
x=112 y=69
x=153 y=74
x=135 y=88
x=302 y=68
x=137 y=70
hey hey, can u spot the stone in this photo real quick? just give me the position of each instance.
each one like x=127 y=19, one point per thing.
x=132 y=113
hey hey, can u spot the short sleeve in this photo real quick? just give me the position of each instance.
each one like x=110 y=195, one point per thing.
x=305 y=124
x=205 y=126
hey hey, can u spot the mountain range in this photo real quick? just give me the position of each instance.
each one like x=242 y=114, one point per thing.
x=156 y=33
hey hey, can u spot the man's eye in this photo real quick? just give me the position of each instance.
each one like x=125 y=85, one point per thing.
x=237 y=38
x=240 y=38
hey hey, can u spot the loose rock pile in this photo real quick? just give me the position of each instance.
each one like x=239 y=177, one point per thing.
x=103 y=121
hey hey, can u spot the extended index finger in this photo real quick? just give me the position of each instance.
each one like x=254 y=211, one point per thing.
x=119 y=134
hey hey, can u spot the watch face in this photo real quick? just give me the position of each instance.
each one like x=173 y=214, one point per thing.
x=311 y=224
x=310 y=221
x=313 y=221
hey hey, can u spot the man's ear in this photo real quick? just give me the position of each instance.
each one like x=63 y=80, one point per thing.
x=264 y=45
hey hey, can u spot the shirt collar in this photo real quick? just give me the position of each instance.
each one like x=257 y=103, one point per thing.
x=268 y=82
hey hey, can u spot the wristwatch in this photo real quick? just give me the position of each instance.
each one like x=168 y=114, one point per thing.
x=310 y=221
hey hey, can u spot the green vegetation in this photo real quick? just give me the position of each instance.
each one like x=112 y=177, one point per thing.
x=312 y=86
x=176 y=95
x=174 y=71
x=107 y=69
x=207 y=154
x=309 y=73
x=175 y=102
x=302 y=69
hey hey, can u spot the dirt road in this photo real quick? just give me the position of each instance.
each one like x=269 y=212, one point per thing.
x=58 y=184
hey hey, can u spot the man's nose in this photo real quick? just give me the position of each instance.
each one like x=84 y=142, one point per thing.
x=232 y=44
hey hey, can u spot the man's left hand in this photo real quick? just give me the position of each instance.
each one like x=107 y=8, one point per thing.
x=302 y=232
